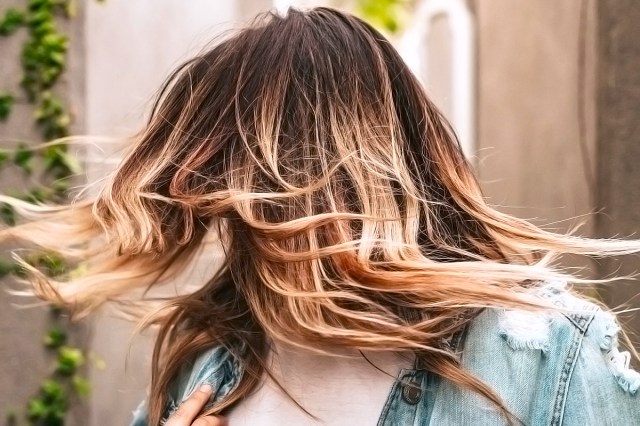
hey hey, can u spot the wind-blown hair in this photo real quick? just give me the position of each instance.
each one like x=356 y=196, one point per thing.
x=346 y=210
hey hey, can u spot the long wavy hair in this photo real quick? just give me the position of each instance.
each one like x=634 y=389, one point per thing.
x=304 y=149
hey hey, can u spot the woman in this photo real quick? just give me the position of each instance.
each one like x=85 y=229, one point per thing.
x=365 y=280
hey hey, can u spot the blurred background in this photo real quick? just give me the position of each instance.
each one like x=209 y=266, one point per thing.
x=545 y=96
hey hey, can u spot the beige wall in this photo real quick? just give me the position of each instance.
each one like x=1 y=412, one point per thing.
x=534 y=160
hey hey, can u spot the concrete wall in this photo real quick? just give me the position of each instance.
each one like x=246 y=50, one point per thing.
x=535 y=119
x=618 y=136
x=559 y=121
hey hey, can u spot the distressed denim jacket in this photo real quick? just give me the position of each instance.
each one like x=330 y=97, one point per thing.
x=549 y=368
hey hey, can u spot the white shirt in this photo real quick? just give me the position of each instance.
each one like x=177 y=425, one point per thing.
x=339 y=390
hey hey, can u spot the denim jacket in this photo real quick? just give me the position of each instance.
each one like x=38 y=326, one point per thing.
x=551 y=369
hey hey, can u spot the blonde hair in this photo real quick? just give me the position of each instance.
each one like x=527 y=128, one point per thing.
x=339 y=194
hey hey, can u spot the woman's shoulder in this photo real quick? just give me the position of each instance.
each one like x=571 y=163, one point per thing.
x=547 y=365
x=520 y=329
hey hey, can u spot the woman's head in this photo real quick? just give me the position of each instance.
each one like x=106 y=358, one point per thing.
x=308 y=146
x=298 y=118
x=338 y=193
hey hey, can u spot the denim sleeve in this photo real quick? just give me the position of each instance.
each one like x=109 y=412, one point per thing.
x=140 y=417
x=216 y=367
x=603 y=389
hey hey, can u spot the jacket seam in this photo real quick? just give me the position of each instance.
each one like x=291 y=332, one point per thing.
x=567 y=374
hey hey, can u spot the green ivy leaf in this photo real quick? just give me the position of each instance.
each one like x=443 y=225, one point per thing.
x=4 y=156
x=60 y=186
x=39 y=16
x=6 y=104
x=37 y=409
x=383 y=14
x=20 y=271
x=6 y=268
x=54 y=42
x=51 y=157
x=8 y=214
x=52 y=117
x=12 y=20
x=69 y=360
x=50 y=407
x=35 y=5
x=61 y=165
x=23 y=158
x=35 y=196
x=71 y=162
x=52 y=391
x=55 y=338
x=43 y=28
x=53 y=264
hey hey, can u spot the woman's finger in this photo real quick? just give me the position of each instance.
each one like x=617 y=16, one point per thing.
x=189 y=409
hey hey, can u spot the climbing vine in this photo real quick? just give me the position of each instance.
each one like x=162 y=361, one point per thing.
x=50 y=167
x=386 y=15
